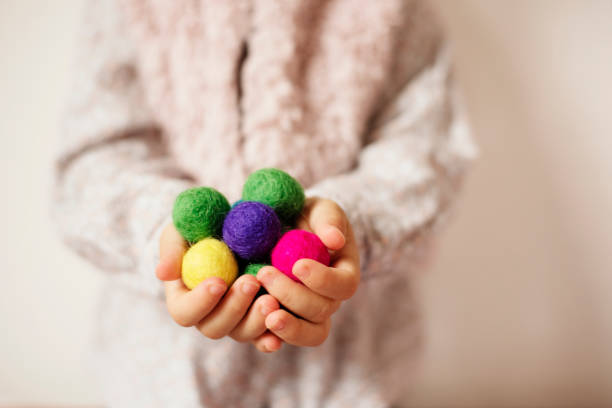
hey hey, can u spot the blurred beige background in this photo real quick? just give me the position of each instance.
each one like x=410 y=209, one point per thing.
x=518 y=308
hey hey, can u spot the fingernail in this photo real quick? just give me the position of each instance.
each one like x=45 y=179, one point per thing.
x=265 y=309
x=338 y=231
x=216 y=290
x=249 y=288
x=266 y=276
x=279 y=324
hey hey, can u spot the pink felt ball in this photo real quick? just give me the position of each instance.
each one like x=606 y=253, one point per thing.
x=295 y=245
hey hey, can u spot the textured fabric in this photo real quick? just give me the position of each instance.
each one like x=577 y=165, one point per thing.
x=352 y=97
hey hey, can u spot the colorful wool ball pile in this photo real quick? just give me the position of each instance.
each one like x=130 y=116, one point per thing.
x=249 y=233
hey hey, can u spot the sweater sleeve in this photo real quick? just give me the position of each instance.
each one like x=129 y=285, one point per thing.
x=408 y=175
x=114 y=180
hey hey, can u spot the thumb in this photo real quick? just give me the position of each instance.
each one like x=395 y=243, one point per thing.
x=172 y=246
x=328 y=221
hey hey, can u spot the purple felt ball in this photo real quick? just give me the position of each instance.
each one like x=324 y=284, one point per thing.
x=251 y=229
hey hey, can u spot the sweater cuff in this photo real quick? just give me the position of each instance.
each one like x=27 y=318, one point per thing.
x=149 y=258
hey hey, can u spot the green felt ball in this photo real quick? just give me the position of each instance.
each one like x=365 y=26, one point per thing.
x=253 y=268
x=277 y=189
x=199 y=213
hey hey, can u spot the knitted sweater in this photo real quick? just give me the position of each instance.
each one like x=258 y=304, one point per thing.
x=351 y=97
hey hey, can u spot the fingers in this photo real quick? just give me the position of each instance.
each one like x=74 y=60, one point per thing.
x=268 y=342
x=226 y=316
x=338 y=283
x=253 y=325
x=327 y=220
x=171 y=249
x=188 y=307
x=297 y=297
x=297 y=331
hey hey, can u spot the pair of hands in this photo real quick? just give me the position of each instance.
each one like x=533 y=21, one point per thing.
x=217 y=311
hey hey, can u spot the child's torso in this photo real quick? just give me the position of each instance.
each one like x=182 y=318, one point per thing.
x=236 y=86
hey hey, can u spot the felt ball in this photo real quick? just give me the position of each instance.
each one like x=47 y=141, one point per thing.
x=199 y=213
x=237 y=202
x=277 y=189
x=207 y=258
x=251 y=230
x=253 y=268
x=295 y=245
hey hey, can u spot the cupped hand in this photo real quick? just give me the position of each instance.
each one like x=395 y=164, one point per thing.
x=324 y=287
x=211 y=307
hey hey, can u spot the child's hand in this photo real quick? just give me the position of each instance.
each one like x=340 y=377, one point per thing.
x=205 y=307
x=324 y=287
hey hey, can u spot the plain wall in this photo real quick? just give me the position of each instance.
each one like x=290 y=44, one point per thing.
x=516 y=306
x=46 y=309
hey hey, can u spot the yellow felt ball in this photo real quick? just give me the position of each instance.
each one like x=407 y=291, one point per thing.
x=207 y=258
